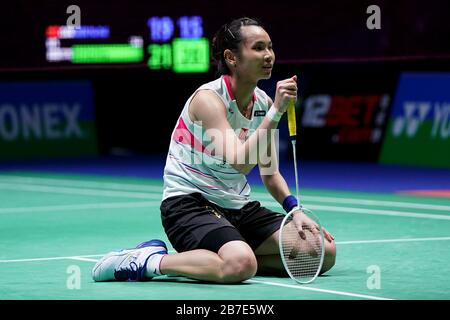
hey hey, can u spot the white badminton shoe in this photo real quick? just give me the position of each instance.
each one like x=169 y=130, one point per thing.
x=131 y=264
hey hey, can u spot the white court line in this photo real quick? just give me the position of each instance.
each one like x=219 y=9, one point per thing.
x=364 y=202
x=372 y=211
x=49 y=259
x=302 y=287
x=82 y=259
x=392 y=240
x=173 y=251
x=80 y=183
x=148 y=188
x=78 y=191
x=115 y=194
x=86 y=206
x=381 y=212
x=378 y=203
x=143 y=204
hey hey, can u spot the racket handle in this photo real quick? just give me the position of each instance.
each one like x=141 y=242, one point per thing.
x=292 y=121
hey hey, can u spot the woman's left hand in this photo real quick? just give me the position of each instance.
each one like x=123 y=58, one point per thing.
x=302 y=221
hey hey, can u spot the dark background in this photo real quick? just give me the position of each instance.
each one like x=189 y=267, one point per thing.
x=299 y=29
x=326 y=43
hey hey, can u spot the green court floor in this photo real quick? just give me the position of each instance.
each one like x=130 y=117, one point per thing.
x=54 y=227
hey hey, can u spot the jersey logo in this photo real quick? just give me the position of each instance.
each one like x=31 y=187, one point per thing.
x=259 y=113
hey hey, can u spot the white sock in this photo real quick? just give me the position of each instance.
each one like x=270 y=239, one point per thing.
x=153 y=265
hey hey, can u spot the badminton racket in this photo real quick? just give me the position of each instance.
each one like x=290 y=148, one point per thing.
x=302 y=248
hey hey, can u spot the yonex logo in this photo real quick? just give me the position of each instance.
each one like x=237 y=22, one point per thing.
x=40 y=121
x=414 y=115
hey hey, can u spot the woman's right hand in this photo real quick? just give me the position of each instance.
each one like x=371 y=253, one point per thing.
x=286 y=92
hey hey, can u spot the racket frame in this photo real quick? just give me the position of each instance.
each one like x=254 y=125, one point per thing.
x=288 y=216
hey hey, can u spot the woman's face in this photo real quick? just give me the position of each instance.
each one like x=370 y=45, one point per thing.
x=256 y=56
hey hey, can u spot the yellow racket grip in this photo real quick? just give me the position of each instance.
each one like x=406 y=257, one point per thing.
x=292 y=121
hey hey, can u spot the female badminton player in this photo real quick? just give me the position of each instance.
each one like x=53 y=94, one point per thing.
x=224 y=130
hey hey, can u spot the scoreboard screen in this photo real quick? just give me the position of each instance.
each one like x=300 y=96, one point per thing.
x=173 y=43
x=176 y=35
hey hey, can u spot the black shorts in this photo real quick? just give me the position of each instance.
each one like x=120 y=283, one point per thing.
x=192 y=222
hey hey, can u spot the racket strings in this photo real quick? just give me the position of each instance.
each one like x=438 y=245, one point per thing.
x=302 y=257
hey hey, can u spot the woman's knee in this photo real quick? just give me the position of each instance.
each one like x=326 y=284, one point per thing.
x=240 y=268
x=239 y=263
x=330 y=256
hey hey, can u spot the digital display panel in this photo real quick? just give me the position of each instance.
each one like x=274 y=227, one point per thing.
x=160 y=48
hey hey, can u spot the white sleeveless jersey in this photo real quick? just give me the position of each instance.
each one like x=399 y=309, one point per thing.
x=192 y=167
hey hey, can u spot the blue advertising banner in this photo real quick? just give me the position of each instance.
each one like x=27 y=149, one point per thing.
x=418 y=132
x=47 y=119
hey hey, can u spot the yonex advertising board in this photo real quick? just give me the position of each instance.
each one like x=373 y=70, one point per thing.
x=47 y=119
x=418 y=132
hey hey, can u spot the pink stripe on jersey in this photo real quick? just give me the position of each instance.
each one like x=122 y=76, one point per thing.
x=199 y=172
x=183 y=135
x=227 y=80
